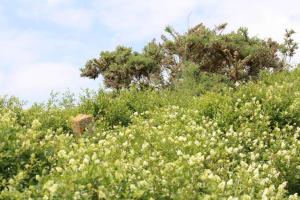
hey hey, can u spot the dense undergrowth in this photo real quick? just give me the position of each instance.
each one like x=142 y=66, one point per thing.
x=213 y=141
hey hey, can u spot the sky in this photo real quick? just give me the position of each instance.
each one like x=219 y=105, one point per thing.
x=44 y=43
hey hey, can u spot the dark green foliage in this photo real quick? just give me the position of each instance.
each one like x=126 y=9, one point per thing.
x=123 y=67
x=235 y=55
x=193 y=81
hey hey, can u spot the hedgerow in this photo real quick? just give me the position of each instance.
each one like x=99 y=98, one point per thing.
x=240 y=142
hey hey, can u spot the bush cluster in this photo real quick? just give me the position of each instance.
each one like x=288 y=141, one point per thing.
x=230 y=142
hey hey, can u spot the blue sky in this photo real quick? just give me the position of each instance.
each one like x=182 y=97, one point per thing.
x=43 y=43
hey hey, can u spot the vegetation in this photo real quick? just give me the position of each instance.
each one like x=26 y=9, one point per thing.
x=205 y=136
x=235 y=55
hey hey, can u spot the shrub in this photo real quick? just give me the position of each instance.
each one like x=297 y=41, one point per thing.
x=242 y=142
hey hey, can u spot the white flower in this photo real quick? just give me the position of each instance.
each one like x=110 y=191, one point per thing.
x=94 y=156
x=230 y=182
x=181 y=139
x=86 y=160
x=145 y=163
x=62 y=153
x=59 y=169
x=293 y=197
x=71 y=161
x=282 y=186
x=37 y=177
x=52 y=189
x=222 y=185
x=265 y=194
x=197 y=143
x=101 y=195
x=179 y=153
x=76 y=195
x=35 y=124
x=145 y=145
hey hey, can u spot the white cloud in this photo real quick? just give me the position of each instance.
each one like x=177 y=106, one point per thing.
x=58 y=12
x=58 y=2
x=18 y=47
x=76 y=18
x=138 y=20
x=26 y=69
x=268 y=18
x=135 y=20
x=35 y=69
x=131 y=19
x=263 y=17
x=28 y=46
x=36 y=81
x=1 y=77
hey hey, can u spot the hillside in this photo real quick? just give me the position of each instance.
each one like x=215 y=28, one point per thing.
x=238 y=142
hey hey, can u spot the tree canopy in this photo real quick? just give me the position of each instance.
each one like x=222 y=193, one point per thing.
x=235 y=55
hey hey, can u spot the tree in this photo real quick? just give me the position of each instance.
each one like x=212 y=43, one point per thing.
x=123 y=67
x=289 y=47
x=235 y=55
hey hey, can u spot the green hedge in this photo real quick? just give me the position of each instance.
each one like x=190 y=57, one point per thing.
x=238 y=143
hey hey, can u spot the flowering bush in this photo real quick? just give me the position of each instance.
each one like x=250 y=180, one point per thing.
x=241 y=143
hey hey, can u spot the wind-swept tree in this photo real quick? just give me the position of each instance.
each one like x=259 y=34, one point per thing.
x=123 y=67
x=235 y=55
